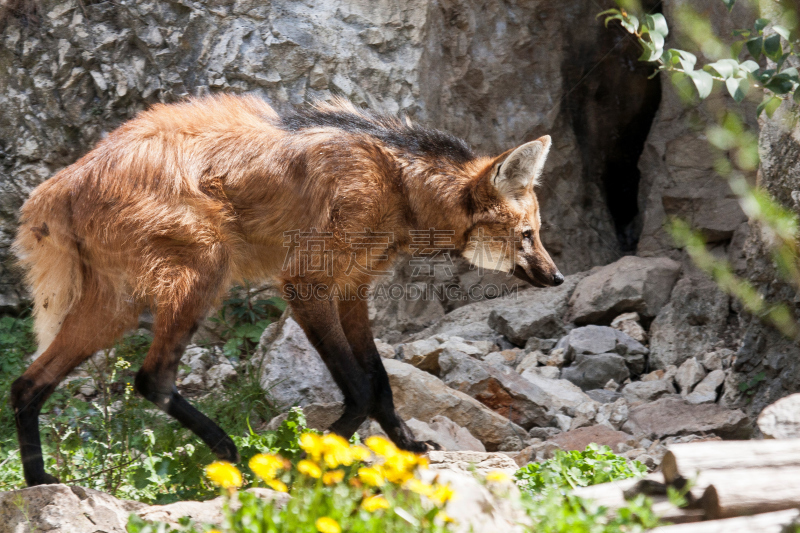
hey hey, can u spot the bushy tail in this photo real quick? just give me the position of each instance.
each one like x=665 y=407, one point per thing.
x=47 y=250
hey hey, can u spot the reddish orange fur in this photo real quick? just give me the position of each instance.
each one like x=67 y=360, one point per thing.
x=213 y=184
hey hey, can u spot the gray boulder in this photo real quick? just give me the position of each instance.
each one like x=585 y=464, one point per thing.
x=534 y=313
x=420 y=395
x=449 y=435
x=594 y=371
x=640 y=284
x=527 y=402
x=673 y=416
x=291 y=369
x=647 y=391
x=595 y=340
x=693 y=322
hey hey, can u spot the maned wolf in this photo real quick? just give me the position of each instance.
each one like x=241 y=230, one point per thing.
x=180 y=202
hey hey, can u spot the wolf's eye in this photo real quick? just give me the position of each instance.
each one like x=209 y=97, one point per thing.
x=527 y=234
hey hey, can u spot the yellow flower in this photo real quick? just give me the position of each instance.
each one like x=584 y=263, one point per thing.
x=401 y=461
x=312 y=445
x=373 y=503
x=276 y=484
x=381 y=446
x=224 y=474
x=333 y=477
x=420 y=487
x=398 y=477
x=442 y=494
x=497 y=476
x=370 y=476
x=446 y=518
x=360 y=453
x=265 y=465
x=327 y=525
x=309 y=468
x=336 y=451
x=213 y=531
x=422 y=462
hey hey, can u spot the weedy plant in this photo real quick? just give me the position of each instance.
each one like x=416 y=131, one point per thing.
x=338 y=486
x=573 y=469
x=554 y=509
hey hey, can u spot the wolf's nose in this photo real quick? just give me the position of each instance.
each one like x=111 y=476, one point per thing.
x=558 y=278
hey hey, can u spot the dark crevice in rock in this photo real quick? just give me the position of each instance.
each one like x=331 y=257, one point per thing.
x=612 y=105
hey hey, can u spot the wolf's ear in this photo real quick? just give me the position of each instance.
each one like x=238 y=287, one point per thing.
x=521 y=168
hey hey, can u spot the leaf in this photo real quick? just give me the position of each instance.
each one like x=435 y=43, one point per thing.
x=738 y=87
x=780 y=84
x=726 y=68
x=754 y=46
x=632 y=24
x=749 y=65
x=687 y=60
x=729 y=4
x=772 y=47
x=791 y=74
x=656 y=23
x=760 y=24
x=703 y=81
x=769 y=105
x=783 y=32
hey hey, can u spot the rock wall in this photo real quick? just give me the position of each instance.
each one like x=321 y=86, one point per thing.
x=497 y=74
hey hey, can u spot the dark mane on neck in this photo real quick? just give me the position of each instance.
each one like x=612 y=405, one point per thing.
x=413 y=138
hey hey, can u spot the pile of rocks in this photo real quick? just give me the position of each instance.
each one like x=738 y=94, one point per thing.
x=535 y=371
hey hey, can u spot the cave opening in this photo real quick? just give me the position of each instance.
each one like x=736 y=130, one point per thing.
x=612 y=103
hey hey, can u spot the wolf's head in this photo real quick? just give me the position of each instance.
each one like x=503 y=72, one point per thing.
x=505 y=232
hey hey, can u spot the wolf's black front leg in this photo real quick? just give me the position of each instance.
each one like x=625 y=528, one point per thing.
x=320 y=321
x=353 y=315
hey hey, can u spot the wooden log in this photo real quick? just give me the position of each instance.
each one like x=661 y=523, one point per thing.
x=761 y=523
x=686 y=460
x=747 y=491
x=616 y=494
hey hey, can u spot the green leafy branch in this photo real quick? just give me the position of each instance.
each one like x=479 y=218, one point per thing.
x=738 y=77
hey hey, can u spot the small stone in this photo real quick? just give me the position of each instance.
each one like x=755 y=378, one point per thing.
x=579 y=439
x=385 y=350
x=506 y=358
x=689 y=374
x=706 y=390
x=646 y=460
x=543 y=433
x=219 y=374
x=548 y=372
x=530 y=360
x=603 y=396
x=545 y=450
x=563 y=422
x=628 y=323
x=613 y=415
x=718 y=359
x=647 y=391
x=593 y=371
x=611 y=385
x=655 y=375
x=554 y=358
x=193 y=381
x=423 y=354
x=584 y=415
x=542 y=345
